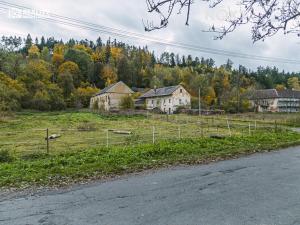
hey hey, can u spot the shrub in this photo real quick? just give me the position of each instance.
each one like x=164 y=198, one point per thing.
x=127 y=102
x=5 y=156
x=87 y=126
x=34 y=156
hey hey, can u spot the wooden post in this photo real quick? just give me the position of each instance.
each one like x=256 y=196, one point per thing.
x=199 y=102
x=179 y=132
x=107 y=138
x=249 y=128
x=153 y=135
x=228 y=126
x=47 y=139
x=255 y=125
x=275 y=126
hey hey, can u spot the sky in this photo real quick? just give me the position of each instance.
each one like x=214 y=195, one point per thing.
x=129 y=15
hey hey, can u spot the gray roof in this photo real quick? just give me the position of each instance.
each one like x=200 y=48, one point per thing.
x=288 y=93
x=264 y=94
x=164 y=91
x=273 y=93
x=107 y=89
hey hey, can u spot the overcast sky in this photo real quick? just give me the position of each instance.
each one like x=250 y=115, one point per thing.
x=128 y=15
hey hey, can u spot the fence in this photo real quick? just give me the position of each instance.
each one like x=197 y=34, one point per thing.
x=152 y=129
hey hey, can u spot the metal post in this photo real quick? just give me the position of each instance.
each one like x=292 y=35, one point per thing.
x=153 y=135
x=47 y=139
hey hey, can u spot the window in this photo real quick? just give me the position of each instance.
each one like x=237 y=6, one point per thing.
x=179 y=101
x=180 y=90
x=169 y=100
x=152 y=102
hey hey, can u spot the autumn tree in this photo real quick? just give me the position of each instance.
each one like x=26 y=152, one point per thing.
x=294 y=83
x=109 y=75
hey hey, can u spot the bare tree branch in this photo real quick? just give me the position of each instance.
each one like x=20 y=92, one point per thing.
x=267 y=17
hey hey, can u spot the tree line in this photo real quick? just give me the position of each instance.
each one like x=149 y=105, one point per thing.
x=50 y=74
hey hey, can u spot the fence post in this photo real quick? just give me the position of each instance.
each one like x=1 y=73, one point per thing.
x=275 y=126
x=179 y=132
x=255 y=125
x=249 y=128
x=153 y=135
x=107 y=138
x=47 y=139
x=228 y=126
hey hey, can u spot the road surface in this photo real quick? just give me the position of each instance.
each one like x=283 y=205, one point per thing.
x=262 y=189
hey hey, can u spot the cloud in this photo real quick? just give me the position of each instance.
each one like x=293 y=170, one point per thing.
x=128 y=15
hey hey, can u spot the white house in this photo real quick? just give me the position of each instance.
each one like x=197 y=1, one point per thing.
x=271 y=100
x=167 y=99
x=110 y=97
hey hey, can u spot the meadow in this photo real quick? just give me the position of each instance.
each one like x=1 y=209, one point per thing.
x=26 y=132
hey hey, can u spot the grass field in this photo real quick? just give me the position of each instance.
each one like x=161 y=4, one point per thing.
x=89 y=149
x=25 y=132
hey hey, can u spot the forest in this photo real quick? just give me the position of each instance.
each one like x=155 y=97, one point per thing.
x=48 y=74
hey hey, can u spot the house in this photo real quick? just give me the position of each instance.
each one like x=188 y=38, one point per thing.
x=167 y=99
x=272 y=100
x=110 y=97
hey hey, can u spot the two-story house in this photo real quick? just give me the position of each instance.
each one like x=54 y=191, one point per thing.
x=272 y=100
x=167 y=99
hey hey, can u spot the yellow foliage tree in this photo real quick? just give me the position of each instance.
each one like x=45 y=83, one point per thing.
x=84 y=48
x=109 y=75
x=33 y=52
x=294 y=83
x=71 y=68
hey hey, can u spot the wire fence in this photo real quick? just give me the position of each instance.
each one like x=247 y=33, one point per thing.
x=152 y=130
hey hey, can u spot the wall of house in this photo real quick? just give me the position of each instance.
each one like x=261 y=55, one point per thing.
x=277 y=105
x=169 y=104
x=108 y=101
x=288 y=105
x=112 y=99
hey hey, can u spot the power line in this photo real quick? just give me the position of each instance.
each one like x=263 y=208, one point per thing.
x=58 y=19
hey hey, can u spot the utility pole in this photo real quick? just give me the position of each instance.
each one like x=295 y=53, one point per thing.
x=199 y=102
x=238 y=91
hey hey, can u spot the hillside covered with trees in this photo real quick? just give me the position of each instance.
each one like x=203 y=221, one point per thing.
x=48 y=74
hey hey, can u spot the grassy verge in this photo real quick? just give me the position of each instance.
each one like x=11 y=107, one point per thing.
x=102 y=162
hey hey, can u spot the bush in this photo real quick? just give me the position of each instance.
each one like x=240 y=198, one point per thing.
x=87 y=126
x=5 y=156
x=34 y=156
x=127 y=102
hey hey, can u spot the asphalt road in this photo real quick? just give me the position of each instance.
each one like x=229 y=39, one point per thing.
x=263 y=189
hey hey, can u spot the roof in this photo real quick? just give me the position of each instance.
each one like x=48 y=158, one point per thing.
x=264 y=94
x=273 y=93
x=164 y=91
x=108 y=88
x=288 y=93
x=139 y=101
